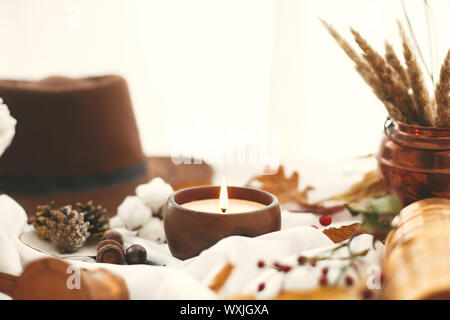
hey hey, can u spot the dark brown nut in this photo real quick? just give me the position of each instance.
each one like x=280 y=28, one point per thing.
x=136 y=254
x=113 y=235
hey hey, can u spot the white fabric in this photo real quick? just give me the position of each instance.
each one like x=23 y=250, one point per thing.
x=189 y=279
x=7 y=127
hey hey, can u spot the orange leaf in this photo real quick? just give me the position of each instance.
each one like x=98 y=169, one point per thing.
x=220 y=279
x=285 y=188
x=342 y=233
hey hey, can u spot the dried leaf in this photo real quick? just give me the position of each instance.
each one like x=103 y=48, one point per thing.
x=285 y=188
x=371 y=186
x=318 y=209
x=342 y=233
x=220 y=279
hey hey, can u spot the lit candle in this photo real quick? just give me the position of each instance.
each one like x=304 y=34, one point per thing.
x=223 y=198
x=198 y=217
x=223 y=204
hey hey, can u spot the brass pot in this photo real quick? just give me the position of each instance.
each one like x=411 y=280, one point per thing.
x=414 y=161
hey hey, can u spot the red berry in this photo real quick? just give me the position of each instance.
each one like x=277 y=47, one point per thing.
x=282 y=267
x=313 y=262
x=325 y=220
x=366 y=293
x=348 y=281
x=261 y=264
x=325 y=270
x=323 y=280
x=301 y=260
x=261 y=286
x=286 y=268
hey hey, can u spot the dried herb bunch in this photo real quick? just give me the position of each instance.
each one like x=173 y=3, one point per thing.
x=401 y=87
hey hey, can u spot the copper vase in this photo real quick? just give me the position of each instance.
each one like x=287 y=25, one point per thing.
x=414 y=161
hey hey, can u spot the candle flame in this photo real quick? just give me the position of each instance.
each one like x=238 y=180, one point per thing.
x=223 y=199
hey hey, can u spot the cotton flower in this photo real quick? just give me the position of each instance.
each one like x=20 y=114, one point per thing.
x=153 y=230
x=7 y=127
x=116 y=222
x=133 y=212
x=155 y=194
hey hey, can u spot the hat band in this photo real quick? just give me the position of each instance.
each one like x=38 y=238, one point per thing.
x=72 y=184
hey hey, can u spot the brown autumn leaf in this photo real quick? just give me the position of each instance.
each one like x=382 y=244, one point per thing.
x=284 y=188
x=220 y=279
x=317 y=209
x=342 y=233
x=371 y=186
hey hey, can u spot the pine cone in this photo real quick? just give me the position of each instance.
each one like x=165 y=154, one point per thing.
x=67 y=229
x=40 y=218
x=95 y=215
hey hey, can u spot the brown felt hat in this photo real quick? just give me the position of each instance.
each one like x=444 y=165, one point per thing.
x=77 y=140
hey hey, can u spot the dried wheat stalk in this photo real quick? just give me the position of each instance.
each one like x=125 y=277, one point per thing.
x=442 y=94
x=380 y=92
x=346 y=47
x=394 y=62
x=364 y=69
x=422 y=102
x=398 y=96
x=401 y=89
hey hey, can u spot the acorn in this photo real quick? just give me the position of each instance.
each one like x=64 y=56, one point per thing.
x=136 y=254
x=113 y=235
x=110 y=251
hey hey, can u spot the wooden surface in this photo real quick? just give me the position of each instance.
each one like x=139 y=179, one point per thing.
x=7 y=283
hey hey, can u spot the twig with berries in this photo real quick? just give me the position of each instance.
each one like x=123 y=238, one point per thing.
x=376 y=220
x=311 y=261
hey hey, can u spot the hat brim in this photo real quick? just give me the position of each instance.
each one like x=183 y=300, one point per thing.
x=178 y=176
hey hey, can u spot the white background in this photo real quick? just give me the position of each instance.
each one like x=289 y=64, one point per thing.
x=230 y=63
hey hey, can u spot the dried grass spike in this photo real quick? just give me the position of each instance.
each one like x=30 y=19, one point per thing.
x=397 y=93
x=351 y=53
x=394 y=62
x=396 y=113
x=421 y=99
x=362 y=67
x=374 y=83
x=442 y=94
